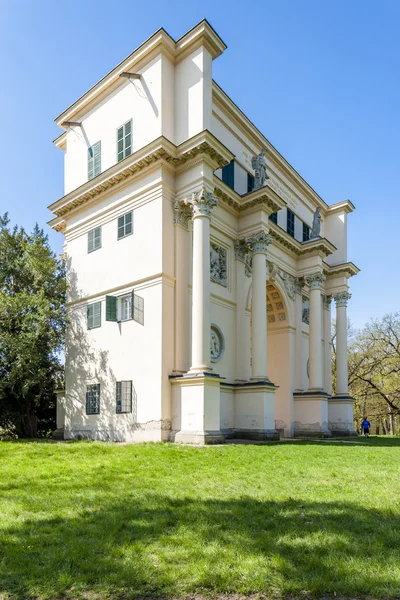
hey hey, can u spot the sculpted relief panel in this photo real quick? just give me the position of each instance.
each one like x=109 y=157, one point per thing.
x=218 y=265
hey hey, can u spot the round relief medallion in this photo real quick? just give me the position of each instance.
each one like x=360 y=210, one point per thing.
x=217 y=343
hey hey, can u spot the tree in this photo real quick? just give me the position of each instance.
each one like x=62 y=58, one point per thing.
x=374 y=372
x=32 y=328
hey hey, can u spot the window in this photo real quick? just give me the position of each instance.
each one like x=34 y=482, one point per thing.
x=94 y=160
x=93 y=399
x=228 y=174
x=94 y=239
x=290 y=222
x=274 y=218
x=124 y=140
x=94 y=315
x=126 y=308
x=125 y=225
x=250 y=182
x=124 y=396
x=306 y=232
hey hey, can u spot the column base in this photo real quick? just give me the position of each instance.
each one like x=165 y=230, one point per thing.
x=311 y=414
x=196 y=409
x=255 y=411
x=340 y=415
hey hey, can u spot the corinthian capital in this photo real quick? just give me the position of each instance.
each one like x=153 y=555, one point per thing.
x=241 y=248
x=342 y=298
x=326 y=302
x=182 y=213
x=315 y=281
x=201 y=202
x=259 y=242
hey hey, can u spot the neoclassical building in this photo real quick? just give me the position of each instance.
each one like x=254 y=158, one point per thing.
x=202 y=269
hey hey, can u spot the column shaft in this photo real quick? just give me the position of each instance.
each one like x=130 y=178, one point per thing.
x=315 y=332
x=259 y=243
x=342 y=383
x=201 y=295
x=182 y=214
x=299 y=361
x=242 y=343
x=328 y=344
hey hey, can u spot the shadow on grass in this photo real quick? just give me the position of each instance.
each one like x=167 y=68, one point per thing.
x=164 y=546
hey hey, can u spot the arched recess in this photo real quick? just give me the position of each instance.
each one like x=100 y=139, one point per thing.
x=280 y=352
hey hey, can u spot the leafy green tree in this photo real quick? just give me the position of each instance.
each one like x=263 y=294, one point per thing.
x=32 y=329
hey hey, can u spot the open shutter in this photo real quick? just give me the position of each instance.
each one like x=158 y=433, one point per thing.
x=97 y=159
x=120 y=143
x=111 y=308
x=133 y=305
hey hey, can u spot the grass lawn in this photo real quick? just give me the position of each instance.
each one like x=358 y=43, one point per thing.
x=101 y=520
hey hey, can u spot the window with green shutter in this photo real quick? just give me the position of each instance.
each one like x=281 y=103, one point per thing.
x=94 y=239
x=124 y=140
x=94 y=160
x=93 y=313
x=93 y=399
x=228 y=174
x=111 y=308
x=124 y=397
x=125 y=225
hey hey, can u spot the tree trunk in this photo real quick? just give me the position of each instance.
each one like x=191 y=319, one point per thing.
x=29 y=425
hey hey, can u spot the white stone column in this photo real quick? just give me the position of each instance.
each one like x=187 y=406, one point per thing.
x=342 y=378
x=201 y=202
x=242 y=343
x=326 y=301
x=300 y=362
x=259 y=243
x=182 y=215
x=316 y=382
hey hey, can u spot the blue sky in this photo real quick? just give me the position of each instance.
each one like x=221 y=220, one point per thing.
x=320 y=79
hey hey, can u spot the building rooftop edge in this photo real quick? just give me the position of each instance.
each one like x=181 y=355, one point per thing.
x=175 y=46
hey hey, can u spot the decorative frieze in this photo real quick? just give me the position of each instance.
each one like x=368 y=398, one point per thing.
x=182 y=214
x=315 y=281
x=342 y=298
x=218 y=265
x=201 y=202
x=259 y=242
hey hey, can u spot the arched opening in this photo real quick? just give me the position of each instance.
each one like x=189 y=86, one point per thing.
x=280 y=356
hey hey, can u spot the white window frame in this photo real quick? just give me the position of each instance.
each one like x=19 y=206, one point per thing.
x=126 y=144
x=125 y=300
x=93 y=239
x=124 y=226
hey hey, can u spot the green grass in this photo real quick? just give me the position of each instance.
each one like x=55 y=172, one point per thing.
x=101 y=520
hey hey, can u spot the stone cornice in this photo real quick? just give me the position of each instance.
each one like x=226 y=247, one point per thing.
x=348 y=270
x=265 y=197
x=344 y=206
x=283 y=240
x=160 y=151
x=160 y=41
x=317 y=247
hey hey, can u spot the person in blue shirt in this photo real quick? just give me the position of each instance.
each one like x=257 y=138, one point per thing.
x=365 y=425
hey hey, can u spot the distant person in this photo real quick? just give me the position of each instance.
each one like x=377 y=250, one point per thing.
x=365 y=425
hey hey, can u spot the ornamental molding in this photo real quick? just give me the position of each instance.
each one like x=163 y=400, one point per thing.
x=201 y=202
x=259 y=242
x=291 y=284
x=160 y=152
x=218 y=264
x=264 y=197
x=315 y=281
x=182 y=214
x=342 y=298
x=326 y=302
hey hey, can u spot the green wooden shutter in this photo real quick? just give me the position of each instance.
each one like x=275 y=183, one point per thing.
x=111 y=308
x=120 y=143
x=133 y=304
x=94 y=160
x=128 y=138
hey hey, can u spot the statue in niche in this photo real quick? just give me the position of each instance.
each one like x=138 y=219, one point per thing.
x=215 y=345
x=316 y=224
x=260 y=170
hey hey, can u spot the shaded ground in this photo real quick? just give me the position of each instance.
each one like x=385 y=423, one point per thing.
x=293 y=519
